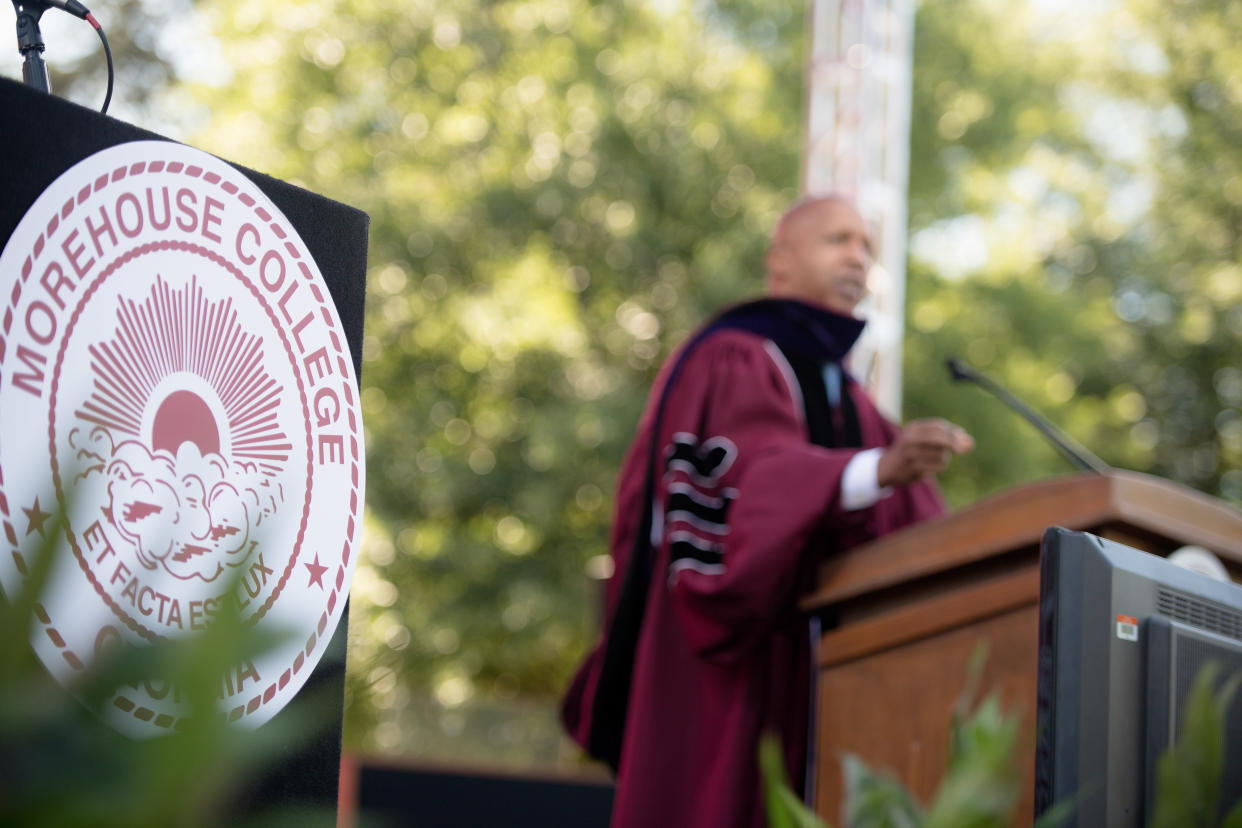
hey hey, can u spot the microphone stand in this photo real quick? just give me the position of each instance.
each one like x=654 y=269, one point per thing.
x=1079 y=456
x=30 y=44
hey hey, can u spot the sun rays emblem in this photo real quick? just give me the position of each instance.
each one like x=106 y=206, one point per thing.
x=182 y=424
x=178 y=336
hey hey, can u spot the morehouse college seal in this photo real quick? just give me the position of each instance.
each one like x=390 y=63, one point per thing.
x=175 y=381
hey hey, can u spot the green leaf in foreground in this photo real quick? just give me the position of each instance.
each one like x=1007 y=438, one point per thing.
x=62 y=765
x=784 y=808
x=876 y=800
x=980 y=788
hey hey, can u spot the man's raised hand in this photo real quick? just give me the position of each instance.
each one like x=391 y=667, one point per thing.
x=924 y=447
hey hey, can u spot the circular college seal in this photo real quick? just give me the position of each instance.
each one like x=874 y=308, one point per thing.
x=174 y=381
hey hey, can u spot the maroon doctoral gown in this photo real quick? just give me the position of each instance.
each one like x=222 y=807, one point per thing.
x=707 y=638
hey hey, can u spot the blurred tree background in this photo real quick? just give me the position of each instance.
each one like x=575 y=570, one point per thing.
x=560 y=190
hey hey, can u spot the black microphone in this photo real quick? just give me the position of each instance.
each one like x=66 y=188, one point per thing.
x=72 y=6
x=30 y=41
x=1073 y=451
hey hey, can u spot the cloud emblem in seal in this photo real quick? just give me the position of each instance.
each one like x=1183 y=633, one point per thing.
x=190 y=514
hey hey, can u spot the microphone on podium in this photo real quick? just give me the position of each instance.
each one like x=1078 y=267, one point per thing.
x=71 y=6
x=30 y=41
x=1073 y=451
x=37 y=7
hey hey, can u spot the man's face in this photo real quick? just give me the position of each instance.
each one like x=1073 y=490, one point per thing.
x=821 y=253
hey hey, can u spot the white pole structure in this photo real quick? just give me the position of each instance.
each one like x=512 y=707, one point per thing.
x=858 y=89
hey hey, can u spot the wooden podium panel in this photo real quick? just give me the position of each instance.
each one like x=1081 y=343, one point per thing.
x=911 y=690
x=904 y=614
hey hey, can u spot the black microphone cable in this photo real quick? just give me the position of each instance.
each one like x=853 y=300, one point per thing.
x=78 y=10
x=34 y=8
x=90 y=18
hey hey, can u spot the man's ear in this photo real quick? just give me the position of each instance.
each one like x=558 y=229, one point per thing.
x=776 y=263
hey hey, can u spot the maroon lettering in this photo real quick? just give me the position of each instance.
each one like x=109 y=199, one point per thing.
x=75 y=253
x=301 y=326
x=327 y=406
x=108 y=636
x=93 y=535
x=331 y=448
x=158 y=688
x=174 y=614
x=201 y=612
x=156 y=222
x=243 y=231
x=105 y=226
x=211 y=216
x=43 y=337
x=233 y=683
x=244 y=672
x=142 y=605
x=283 y=301
x=319 y=359
x=53 y=279
x=27 y=382
x=131 y=229
x=188 y=220
x=272 y=256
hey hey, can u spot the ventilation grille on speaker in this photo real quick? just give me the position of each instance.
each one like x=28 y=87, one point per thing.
x=1199 y=613
x=1191 y=655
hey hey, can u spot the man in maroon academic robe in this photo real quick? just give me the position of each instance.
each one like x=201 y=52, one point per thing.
x=757 y=457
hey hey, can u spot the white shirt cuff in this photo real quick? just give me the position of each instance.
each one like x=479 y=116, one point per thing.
x=860 y=485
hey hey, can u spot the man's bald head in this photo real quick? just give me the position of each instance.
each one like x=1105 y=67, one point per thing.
x=820 y=252
x=803 y=208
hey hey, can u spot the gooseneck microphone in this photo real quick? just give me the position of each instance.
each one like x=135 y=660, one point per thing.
x=1074 y=452
x=72 y=6
x=30 y=41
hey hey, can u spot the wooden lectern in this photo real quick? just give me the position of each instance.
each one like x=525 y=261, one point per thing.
x=904 y=614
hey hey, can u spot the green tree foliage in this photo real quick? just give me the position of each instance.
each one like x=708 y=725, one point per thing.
x=559 y=190
x=1183 y=295
x=1001 y=164
x=1091 y=159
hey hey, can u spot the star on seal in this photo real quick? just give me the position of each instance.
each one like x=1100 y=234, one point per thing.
x=35 y=518
x=316 y=572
